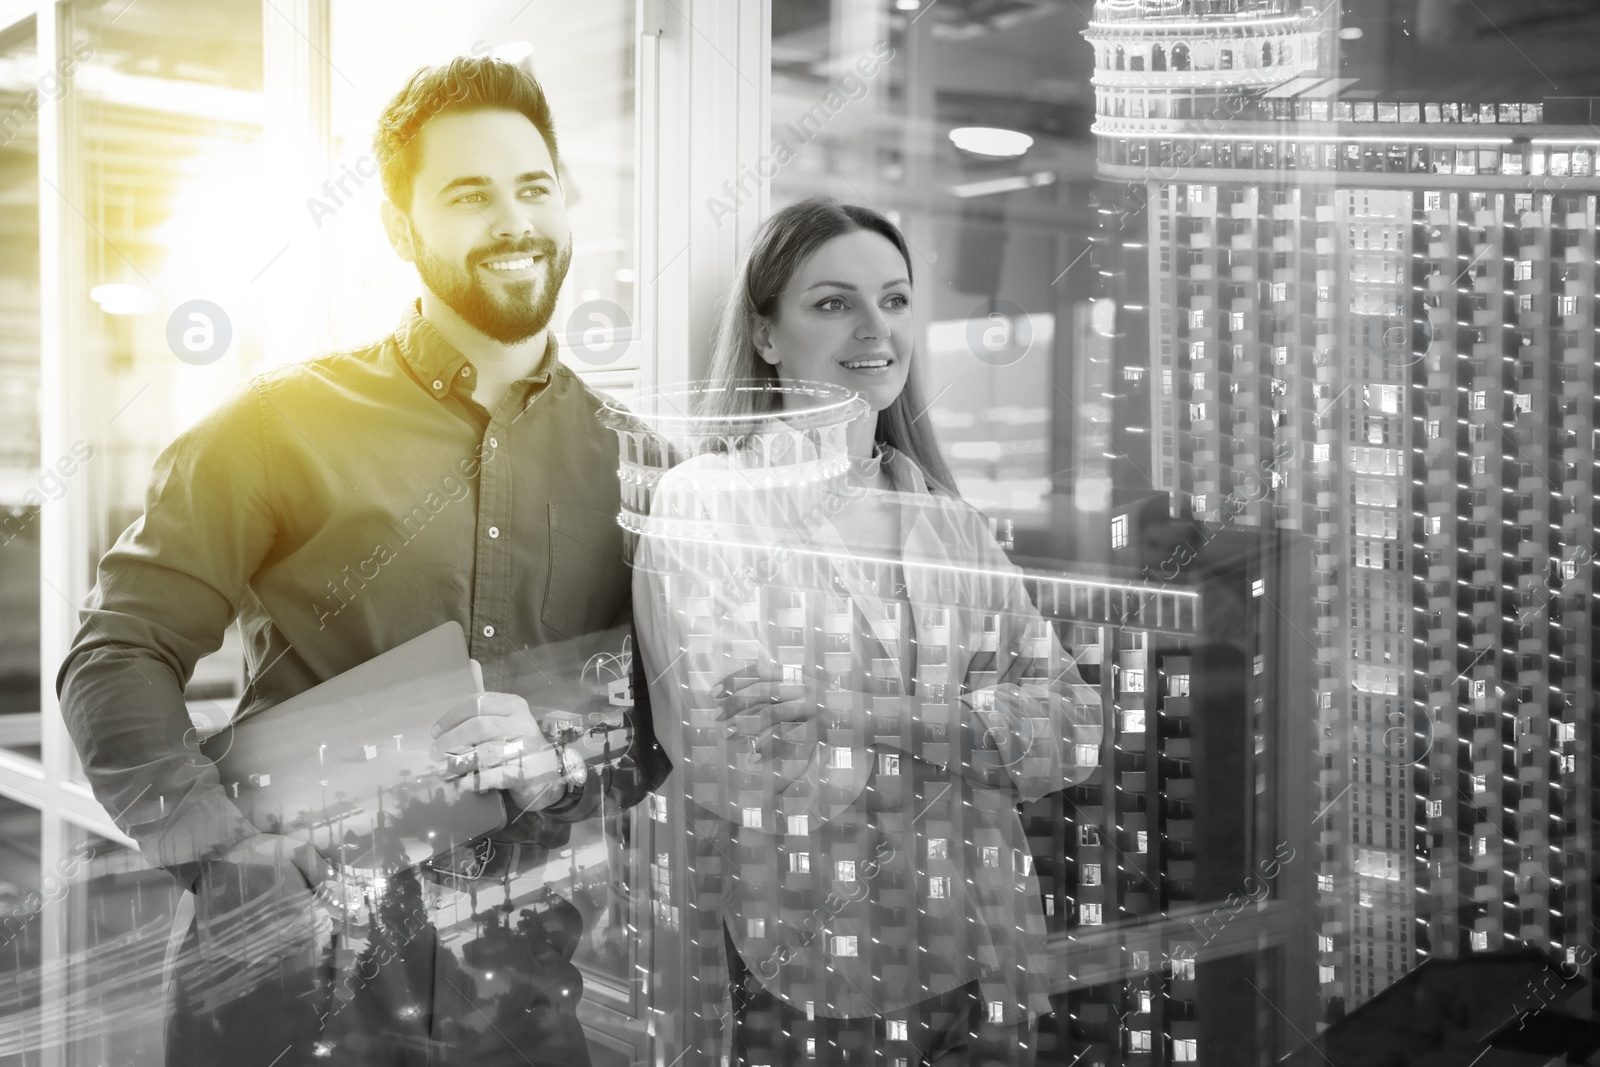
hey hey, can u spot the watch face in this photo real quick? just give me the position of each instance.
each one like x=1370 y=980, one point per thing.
x=572 y=764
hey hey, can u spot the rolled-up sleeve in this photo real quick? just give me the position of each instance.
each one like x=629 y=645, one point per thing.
x=164 y=595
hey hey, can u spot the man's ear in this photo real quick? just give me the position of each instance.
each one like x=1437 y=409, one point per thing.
x=761 y=337
x=398 y=227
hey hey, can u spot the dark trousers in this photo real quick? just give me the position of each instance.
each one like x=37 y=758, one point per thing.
x=508 y=996
x=943 y=1031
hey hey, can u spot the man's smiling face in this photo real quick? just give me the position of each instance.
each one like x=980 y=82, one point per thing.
x=487 y=224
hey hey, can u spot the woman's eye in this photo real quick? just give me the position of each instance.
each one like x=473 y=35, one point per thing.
x=898 y=301
x=831 y=303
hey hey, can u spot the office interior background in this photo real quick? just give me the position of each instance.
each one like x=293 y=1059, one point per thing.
x=1265 y=334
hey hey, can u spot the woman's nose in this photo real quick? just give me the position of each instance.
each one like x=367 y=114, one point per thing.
x=873 y=324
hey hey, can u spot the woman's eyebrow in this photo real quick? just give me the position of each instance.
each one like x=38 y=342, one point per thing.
x=852 y=288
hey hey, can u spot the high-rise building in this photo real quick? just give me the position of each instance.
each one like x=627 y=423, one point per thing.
x=1390 y=295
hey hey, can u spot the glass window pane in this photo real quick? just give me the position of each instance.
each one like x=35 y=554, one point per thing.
x=25 y=486
x=22 y=904
x=118 y=917
x=1191 y=324
x=167 y=109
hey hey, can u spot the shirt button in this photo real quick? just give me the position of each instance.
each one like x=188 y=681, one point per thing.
x=488 y=631
x=466 y=372
x=493 y=443
x=494 y=531
x=438 y=384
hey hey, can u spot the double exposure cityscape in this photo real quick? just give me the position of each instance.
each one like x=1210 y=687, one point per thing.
x=765 y=532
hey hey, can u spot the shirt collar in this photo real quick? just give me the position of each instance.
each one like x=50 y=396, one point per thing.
x=439 y=366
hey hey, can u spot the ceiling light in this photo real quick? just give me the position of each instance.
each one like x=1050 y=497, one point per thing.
x=907 y=5
x=119 y=298
x=991 y=141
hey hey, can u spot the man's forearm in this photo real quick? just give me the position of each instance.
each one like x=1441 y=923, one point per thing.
x=125 y=711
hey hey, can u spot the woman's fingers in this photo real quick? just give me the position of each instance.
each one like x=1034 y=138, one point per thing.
x=750 y=698
x=782 y=713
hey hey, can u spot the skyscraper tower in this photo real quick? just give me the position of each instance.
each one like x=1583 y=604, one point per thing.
x=1370 y=317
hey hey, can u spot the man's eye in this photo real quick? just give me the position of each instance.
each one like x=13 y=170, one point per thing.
x=468 y=198
x=538 y=191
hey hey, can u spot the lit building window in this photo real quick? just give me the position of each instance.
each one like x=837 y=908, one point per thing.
x=938 y=848
x=797 y=825
x=1088 y=835
x=1185 y=1049
x=1480 y=940
x=799 y=863
x=938 y=887
x=1119 y=531
x=842 y=945
x=1139 y=1041
x=1178 y=685
x=1183 y=968
x=1089 y=915
x=1132 y=681
x=1091 y=874
x=1133 y=721
x=1480 y=783
x=755 y=927
x=752 y=818
x=1141 y=841
x=897 y=1030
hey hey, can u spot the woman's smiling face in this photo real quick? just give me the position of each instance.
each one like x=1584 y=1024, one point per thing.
x=845 y=318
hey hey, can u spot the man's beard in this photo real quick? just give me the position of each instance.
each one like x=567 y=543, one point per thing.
x=529 y=304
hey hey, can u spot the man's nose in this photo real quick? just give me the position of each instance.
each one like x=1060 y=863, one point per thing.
x=510 y=219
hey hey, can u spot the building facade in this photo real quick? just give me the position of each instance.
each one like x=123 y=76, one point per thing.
x=1391 y=296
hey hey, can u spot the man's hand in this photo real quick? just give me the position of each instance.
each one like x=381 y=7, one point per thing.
x=765 y=709
x=494 y=738
x=263 y=900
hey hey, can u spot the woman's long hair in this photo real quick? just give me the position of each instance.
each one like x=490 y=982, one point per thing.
x=785 y=240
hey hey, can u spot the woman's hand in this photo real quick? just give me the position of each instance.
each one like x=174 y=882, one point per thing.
x=508 y=750
x=760 y=707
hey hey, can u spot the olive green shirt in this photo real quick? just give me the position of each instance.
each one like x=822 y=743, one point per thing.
x=337 y=508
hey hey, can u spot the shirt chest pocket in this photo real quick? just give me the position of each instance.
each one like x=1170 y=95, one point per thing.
x=588 y=582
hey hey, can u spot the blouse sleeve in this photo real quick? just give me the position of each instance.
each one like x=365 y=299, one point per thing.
x=696 y=603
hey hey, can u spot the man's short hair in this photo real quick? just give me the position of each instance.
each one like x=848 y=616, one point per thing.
x=466 y=83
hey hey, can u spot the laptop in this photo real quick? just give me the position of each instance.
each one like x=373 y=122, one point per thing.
x=346 y=764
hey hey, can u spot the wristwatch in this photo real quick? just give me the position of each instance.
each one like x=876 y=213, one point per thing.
x=574 y=770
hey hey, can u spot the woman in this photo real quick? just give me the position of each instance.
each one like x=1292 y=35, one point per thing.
x=854 y=689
